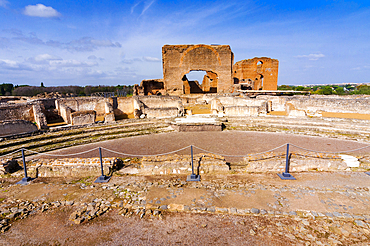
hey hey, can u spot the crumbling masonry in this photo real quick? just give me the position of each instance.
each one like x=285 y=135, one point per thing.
x=222 y=75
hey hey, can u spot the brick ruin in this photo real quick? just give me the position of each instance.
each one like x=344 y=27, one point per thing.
x=259 y=73
x=217 y=61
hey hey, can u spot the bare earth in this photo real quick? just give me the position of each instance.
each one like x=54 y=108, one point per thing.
x=223 y=143
x=328 y=193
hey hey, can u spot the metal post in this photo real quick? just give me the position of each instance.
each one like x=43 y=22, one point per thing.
x=192 y=160
x=101 y=162
x=286 y=174
x=102 y=178
x=26 y=179
x=287 y=159
x=193 y=176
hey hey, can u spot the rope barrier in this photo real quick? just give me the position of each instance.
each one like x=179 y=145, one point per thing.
x=330 y=152
x=171 y=152
x=10 y=153
x=120 y=153
x=80 y=153
x=240 y=155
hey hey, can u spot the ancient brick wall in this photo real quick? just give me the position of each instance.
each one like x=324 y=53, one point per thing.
x=178 y=60
x=259 y=72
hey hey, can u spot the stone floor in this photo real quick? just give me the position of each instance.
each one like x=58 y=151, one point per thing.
x=318 y=208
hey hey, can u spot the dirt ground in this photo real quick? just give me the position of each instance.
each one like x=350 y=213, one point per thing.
x=312 y=191
x=223 y=143
x=53 y=228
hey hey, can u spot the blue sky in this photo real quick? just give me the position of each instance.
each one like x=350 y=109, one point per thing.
x=120 y=42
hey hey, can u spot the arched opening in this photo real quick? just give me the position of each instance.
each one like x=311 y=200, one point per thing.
x=259 y=67
x=200 y=81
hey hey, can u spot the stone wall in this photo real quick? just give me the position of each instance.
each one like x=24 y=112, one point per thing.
x=150 y=87
x=178 y=60
x=237 y=106
x=338 y=104
x=158 y=106
x=31 y=111
x=19 y=111
x=83 y=117
x=161 y=112
x=97 y=104
x=299 y=162
x=257 y=73
x=16 y=127
x=65 y=112
x=181 y=164
x=72 y=167
x=123 y=107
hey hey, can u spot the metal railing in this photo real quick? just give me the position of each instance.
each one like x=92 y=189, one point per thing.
x=193 y=176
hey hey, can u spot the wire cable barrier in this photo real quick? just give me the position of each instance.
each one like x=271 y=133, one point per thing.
x=178 y=150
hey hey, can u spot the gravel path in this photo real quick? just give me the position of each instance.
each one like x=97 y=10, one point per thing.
x=223 y=143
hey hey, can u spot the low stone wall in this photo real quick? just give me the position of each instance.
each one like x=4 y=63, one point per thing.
x=73 y=167
x=160 y=101
x=181 y=164
x=337 y=104
x=158 y=106
x=235 y=106
x=16 y=127
x=65 y=112
x=124 y=107
x=39 y=116
x=83 y=117
x=299 y=162
x=97 y=104
x=161 y=112
x=241 y=111
x=30 y=111
x=193 y=127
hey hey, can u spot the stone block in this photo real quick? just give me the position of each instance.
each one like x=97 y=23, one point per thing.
x=83 y=117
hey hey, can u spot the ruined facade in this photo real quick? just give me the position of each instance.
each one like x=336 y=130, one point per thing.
x=259 y=73
x=150 y=87
x=222 y=75
x=178 y=60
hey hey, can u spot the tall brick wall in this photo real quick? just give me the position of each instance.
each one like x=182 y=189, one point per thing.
x=178 y=60
x=253 y=69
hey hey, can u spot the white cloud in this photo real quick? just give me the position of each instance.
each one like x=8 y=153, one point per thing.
x=71 y=63
x=13 y=65
x=151 y=59
x=130 y=61
x=46 y=57
x=3 y=3
x=146 y=6
x=40 y=10
x=82 y=44
x=312 y=57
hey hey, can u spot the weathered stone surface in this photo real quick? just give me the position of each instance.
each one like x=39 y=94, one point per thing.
x=16 y=127
x=275 y=162
x=178 y=60
x=83 y=117
x=257 y=73
x=181 y=164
